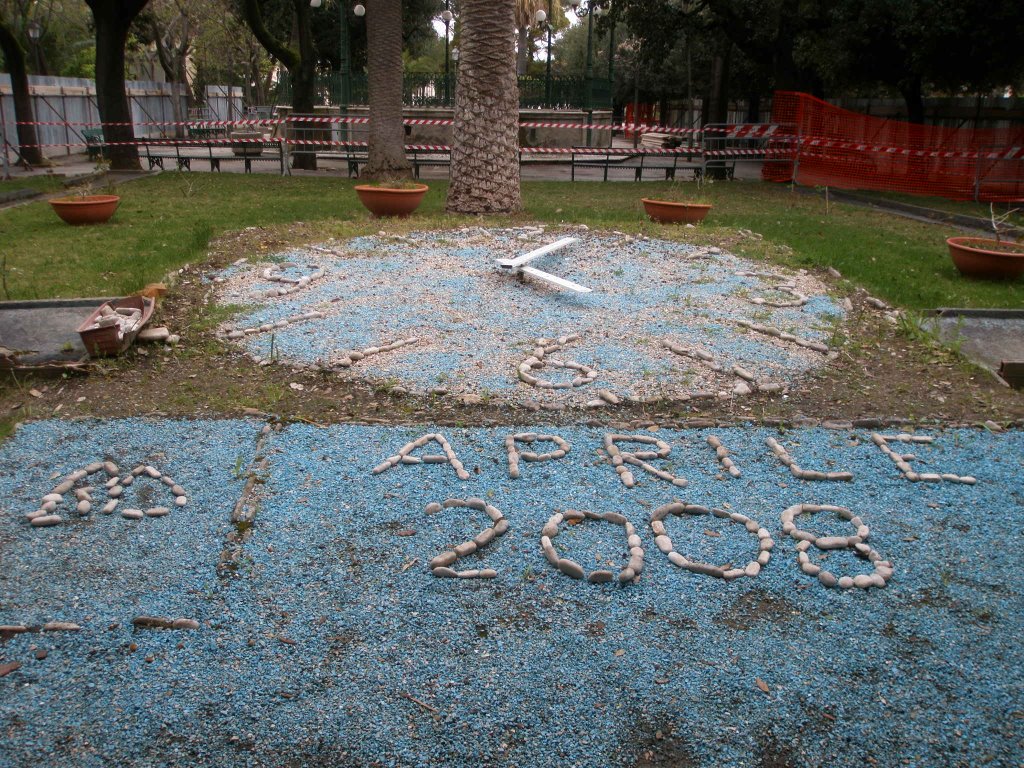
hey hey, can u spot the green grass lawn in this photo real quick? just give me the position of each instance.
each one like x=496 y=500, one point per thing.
x=41 y=183
x=167 y=221
x=1014 y=211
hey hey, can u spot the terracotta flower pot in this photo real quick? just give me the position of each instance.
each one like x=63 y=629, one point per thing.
x=90 y=209
x=668 y=212
x=390 y=201
x=985 y=258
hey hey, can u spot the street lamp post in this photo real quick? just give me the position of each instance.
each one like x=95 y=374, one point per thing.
x=344 y=55
x=344 y=58
x=611 y=57
x=446 y=17
x=35 y=31
x=544 y=22
x=590 y=9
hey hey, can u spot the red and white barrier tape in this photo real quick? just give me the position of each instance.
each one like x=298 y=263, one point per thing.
x=208 y=124
x=737 y=131
x=780 y=147
x=228 y=142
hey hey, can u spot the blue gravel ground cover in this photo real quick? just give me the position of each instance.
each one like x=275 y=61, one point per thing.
x=386 y=294
x=311 y=649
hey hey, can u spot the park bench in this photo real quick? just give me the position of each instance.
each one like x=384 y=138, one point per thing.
x=635 y=160
x=183 y=152
x=422 y=157
x=725 y=145
x=94 y=146
x=204 y=132
x=419 y=157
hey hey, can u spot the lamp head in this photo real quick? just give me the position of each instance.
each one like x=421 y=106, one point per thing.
x=359 y=10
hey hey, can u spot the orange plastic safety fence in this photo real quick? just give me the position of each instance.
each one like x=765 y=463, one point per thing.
x=834 y=147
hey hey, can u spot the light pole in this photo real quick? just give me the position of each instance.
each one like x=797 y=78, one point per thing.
x=344 y=60
x=590 y=9
x=611 y=61
x=35 y=31
x=344 y=56
x=544 y=22
x=446 y=17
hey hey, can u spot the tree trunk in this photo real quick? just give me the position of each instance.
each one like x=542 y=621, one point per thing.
x=911 y=91
x=719 y=107
x=523 y=50
x=112 y=19
x=485 y=146
x=14 y=56
x=301 y=66
x=754 y=108
x=304 y=87
x=386 y=158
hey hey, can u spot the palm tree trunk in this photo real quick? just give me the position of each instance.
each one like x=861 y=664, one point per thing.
x=386 y=158
x=523 y=50
x=485 y=146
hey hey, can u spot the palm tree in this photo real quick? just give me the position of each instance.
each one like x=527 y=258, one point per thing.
x=485 y=146
x=386 y=158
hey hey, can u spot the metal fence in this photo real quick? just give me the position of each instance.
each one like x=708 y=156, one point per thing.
x=438 y=90
x=223 y=102
x=64 y=106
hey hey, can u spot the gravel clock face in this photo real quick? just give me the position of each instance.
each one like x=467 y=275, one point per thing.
x=603 y=317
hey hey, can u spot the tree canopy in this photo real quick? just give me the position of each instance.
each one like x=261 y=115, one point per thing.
x=830 y=47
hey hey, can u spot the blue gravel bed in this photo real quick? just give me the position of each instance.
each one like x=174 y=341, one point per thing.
x=477 y=324
x=313 y=648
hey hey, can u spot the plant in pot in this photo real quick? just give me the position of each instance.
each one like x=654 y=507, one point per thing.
x=678 y=205
x=84 y=207
x=391 y=198
x=987 y=258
